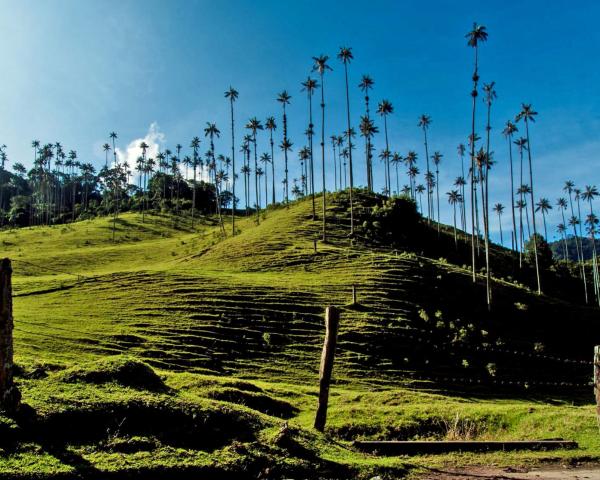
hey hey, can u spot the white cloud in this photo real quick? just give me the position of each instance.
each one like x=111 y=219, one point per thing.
x=155 y=140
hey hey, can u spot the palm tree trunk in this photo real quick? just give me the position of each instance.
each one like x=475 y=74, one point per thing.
x=232 y=174
x=474 y=96
x=310 y=146
x=537 y=267
x=323 y=157
x=349 y=150
x=256 y=186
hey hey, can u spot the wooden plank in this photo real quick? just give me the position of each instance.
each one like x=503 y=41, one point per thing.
x=416 y=447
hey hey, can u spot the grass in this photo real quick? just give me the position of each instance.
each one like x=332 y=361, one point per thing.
x=173 y=324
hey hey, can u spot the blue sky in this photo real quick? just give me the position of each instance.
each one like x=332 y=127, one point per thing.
x=72 y=71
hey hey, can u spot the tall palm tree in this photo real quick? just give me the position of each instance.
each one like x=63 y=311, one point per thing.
x=482 y=161
x=509 y=130
x=589 y=194
x=528 y=115
x=460 y=183
x=284 y=98
x=475 y=37
x=368 y=130
x=272 y=126
x=321 y=67
x=397 y=160
x=561 y=203
x=106 y=148
x=454 y=199
x=265 y=158
x=562 y=231
x=569 y=188
x=424 y=122
x=254 y=125
x=499 y=209
x=437 y=158
x=366 y=84
x=195 y=145
x=384 y=109
x=345 y=56
x=211 y=131
x=544 y=207
x=419 y=190
x=310 y=85
x=231 y=94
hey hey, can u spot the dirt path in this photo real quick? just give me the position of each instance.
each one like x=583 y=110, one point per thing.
x=585 y=472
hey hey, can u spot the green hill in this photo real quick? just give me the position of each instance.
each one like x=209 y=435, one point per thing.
x=216 y=342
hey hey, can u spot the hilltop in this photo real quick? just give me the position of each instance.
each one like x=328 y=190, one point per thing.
x=229 y=329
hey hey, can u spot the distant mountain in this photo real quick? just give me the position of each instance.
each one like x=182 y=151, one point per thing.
x=558 y=249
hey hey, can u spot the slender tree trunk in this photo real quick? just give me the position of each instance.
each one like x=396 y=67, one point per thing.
x=256 y=186
x=474 y=97
x=323 y=158
x=537 y=267
x=512 y=191
x=233 y=200
x=351 y=173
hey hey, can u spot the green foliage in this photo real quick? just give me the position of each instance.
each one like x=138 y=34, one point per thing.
x=545 y=258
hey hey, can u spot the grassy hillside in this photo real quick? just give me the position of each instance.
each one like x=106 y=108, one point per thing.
x=230 y=330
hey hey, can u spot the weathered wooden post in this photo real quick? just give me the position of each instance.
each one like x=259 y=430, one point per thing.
x=354 y=302
x=332 y=321
x=597 y=381
x=315 y=245
x=9 y=394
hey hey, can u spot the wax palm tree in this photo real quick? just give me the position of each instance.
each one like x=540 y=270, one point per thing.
x=437 y=158
x=284 y=98
x=272 y=126
x=309 y=86
x=589 y=194
x=454 y=199
x=321 y=66
x=254 y=125
x=413 y=171
x=366 y=84
x=562 y=231
x=265 y=158
x=561 y=204
x=499 y=209
x=460 y=183
x=195 y=145
x=482 y=161
x=489 y=97
x=345 y=56
x=528 y=115
x=211 y=131
x=384 y=109
x=368 y=130
x=419 y=189
x=424 y=122
x=544 y=207
x=106 y=148
x=385 y=156
x=397 y=160
x=475 y=37
x=568 y=188
x=509 y=130
x=521 y=205
x=232 y=95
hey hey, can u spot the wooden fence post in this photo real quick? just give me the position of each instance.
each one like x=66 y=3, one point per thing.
x=332 y=320
x=354 y=302
x=597 y=381
x=9 y=395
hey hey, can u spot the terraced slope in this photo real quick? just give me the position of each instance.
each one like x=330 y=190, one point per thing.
x=253 y=304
